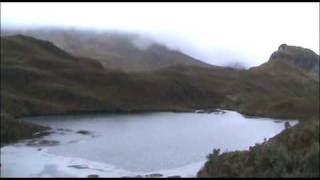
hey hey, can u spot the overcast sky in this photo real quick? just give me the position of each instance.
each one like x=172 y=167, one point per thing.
x=217 y=33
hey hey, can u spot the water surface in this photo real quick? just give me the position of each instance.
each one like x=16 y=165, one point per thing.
x=152 y=142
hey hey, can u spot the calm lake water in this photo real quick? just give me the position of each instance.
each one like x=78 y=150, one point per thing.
x=139 y=143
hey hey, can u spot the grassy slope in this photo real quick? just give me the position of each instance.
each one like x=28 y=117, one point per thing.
x=284 y=91
x=13 y=130
x=292 y=153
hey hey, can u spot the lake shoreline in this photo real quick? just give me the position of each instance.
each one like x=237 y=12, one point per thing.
x=196 y=121
x=177 y=110
x=186 y=110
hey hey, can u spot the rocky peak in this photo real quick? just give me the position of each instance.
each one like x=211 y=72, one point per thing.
x=302 y=57
x=282 y=47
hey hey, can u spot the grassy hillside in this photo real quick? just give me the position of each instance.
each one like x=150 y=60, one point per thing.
x=295 y=151
x=292 y=153
x=284 y=90
x=14 y=130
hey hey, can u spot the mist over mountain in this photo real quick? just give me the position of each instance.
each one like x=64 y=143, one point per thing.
x=115 y=50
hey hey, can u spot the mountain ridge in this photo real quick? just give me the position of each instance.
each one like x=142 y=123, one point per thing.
x=119 y=51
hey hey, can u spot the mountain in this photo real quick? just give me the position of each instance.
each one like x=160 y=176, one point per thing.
x=38 y=78
x=114 y=50
x=292 y=78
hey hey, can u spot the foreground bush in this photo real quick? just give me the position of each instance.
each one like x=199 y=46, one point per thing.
x=292 y=153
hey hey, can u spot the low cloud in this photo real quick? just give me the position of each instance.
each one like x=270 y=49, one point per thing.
x=216 y=33
x=142 y=43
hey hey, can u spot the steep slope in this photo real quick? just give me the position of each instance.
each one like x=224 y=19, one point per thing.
x=115 y=50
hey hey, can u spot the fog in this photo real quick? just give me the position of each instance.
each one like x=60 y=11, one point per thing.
x=217 y=33
x=142 y=43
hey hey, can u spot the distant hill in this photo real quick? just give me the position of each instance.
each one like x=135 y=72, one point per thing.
x=115 y=50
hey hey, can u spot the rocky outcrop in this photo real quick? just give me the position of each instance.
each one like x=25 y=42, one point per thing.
x=299 y=56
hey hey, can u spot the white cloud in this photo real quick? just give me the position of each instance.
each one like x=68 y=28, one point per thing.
x=213 y=32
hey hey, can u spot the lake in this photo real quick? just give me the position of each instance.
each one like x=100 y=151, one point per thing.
x=133 y=144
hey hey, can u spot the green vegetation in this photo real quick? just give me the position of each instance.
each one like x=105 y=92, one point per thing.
x=292 y=153
x=13 y=130
x=295 y=151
